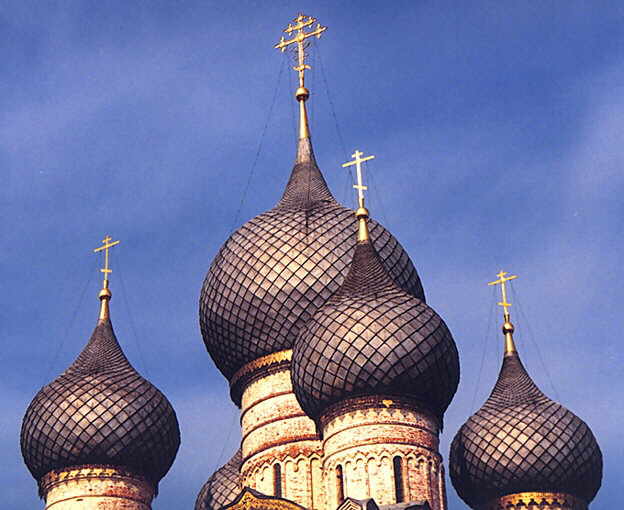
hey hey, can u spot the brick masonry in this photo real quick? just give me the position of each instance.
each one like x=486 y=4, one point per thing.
x=96 y=488
x=276 y=431
x=363 y=438
x=537 y=501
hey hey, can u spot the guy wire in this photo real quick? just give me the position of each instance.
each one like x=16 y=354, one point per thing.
x=485 y=345
x=72 y=320
x=260 y=145
x=533 y=341
x=131 y=318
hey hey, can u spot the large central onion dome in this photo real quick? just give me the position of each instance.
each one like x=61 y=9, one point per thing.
x=374 y=338
x=275 y=271
x=521 y=441
x=100 y=411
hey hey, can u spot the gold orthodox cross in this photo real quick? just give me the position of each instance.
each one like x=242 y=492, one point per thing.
x=358 y=160
x=299 y=36
x=107 y=245
x=502 y=279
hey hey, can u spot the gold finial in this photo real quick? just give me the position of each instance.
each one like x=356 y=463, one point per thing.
x=105 y=294
x=362 y=212
x=508 y=327
x=299 y=38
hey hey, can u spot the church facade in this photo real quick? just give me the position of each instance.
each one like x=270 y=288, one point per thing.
x=318 y=319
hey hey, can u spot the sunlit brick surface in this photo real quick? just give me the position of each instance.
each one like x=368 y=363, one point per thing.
x=364 y=440
x=96 y=488
x=275 y=430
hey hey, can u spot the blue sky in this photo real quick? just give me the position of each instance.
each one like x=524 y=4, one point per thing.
x=498 y=134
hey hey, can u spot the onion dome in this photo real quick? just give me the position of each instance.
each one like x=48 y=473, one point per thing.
x=373 y=338
x=222 y=487
x=275 y=271
x=521 y=441
x=100 y=411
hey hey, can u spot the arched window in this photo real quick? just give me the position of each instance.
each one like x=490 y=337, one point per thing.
x=277 y=480
x=397 y=464
x=339 y=484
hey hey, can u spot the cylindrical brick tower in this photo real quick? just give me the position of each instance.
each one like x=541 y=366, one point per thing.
x=377 y=368
x=281 y=451
x=99 y=436
x=266 y=282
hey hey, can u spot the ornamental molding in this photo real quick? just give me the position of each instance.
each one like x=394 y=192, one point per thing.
x=89 y=472
x=305 y=453
x=541 y=500
x=250 y=499
x=256 y=369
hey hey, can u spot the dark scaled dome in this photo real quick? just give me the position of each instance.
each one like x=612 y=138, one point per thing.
x=275 y=271
x=373 y=338
x=521 y=441
x=100 y=411
x=222 y=487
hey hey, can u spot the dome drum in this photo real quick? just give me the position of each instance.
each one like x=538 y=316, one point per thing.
x=541 y=500
x=256 y=370
x=106 y=485
x=392 y=403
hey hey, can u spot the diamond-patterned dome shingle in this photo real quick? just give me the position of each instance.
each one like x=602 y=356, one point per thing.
x=521 y=441
x=222 y=487
x=373 y=338
x=276 y=270
x=100 y=411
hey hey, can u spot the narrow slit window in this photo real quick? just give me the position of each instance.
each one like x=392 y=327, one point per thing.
x=339 y=484
x=277 y=480
x=399 y=491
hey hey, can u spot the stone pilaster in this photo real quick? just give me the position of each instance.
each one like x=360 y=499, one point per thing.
x=276 y=432
x=537 y=501
x=96 y=487
x=379 y=444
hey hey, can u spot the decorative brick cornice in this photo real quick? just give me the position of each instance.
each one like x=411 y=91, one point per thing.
x=388 y=439
x=386 y=447
x=355 y=404
x=89 y=471
x=258 y=369
x=281 y=455
x=541 y=500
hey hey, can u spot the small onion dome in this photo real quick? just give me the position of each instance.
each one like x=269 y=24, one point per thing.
x=521 y=441
x=276 y=270
x=100 y=411
x=373 y=338
x=222 y=487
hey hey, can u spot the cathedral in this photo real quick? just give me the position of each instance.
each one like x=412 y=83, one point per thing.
x=317 y=317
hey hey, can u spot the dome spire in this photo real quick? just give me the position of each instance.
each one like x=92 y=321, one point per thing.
x=105 y=294
x=362 y=213
x=508 y=327
x=299 y=37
